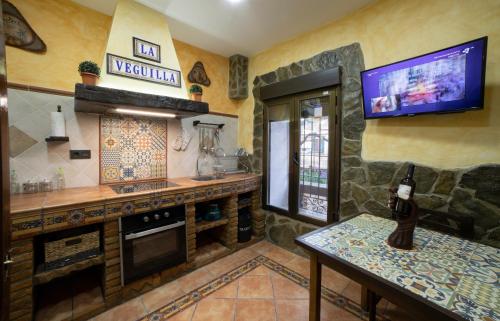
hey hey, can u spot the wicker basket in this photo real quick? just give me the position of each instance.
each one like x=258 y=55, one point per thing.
x=71 y=249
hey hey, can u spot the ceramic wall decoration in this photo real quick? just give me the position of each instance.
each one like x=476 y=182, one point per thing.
x=131 y=68
x=132 y=149
x=18 y=32
x=146 y=50
x=198 y=75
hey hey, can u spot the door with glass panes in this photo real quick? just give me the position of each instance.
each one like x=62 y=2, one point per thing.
x=301 y=156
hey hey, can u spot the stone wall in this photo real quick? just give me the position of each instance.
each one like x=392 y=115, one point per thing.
x=238 y=77
x=364 y=184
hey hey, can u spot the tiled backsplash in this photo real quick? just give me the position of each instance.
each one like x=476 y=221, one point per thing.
x=184 y=163
x=33 y=158
x=133 y=148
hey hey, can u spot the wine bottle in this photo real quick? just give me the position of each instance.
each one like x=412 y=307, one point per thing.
x=406 y=189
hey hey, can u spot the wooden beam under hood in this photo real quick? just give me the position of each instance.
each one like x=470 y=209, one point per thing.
x=102 y=100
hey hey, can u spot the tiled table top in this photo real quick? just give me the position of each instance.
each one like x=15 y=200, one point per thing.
x=459 y=275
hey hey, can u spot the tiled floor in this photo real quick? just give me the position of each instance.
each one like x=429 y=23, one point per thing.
x=260 y=295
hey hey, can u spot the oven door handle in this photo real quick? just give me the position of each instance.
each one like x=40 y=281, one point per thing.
x=132 y=236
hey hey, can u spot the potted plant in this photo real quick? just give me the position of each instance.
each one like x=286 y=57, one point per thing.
x=89 y=71
x=196 y=92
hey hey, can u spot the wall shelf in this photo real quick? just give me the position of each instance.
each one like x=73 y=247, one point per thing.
x=57 y=139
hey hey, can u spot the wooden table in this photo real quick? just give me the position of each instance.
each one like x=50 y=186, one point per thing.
x=442 y=278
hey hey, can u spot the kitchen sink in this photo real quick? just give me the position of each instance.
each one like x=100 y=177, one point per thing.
x=204 y=178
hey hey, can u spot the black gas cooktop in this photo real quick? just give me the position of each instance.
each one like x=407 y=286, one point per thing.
x=140 y=187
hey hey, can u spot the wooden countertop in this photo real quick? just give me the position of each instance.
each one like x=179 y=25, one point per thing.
x=70 y=196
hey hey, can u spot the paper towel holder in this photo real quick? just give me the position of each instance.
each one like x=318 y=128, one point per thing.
x=57 y=138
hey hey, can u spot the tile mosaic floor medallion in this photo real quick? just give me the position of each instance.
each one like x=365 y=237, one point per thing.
x=132 y=149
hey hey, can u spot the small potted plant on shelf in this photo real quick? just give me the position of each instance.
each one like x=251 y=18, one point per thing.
x=89 y=71
x=196 y=92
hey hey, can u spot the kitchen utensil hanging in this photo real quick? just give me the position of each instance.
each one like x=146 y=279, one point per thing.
x=182 y=140
x=208 y=134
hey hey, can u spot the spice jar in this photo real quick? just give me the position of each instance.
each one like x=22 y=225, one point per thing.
x=30 y=187
x=45 y=186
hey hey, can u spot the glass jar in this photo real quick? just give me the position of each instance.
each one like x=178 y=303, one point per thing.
x=45 y=186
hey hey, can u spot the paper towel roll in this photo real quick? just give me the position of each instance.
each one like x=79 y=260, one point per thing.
x=57 y=125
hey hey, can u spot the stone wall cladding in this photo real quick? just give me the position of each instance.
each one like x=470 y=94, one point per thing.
x=364 y=184
x=238 y=77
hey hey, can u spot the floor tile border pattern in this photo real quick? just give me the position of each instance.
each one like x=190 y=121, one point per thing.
x=203 y=291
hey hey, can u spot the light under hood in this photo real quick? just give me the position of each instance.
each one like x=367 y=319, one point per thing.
x=105 y=101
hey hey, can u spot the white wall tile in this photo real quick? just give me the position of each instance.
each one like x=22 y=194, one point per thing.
x=30 y=112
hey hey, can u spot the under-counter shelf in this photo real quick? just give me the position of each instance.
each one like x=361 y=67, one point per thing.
x=240 y=206
x=209 y=252
x=206 y=225
x=76 y=297
x=244 y=200
x=42 y=277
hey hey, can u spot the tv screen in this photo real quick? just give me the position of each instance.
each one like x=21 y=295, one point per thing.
x=444 y=81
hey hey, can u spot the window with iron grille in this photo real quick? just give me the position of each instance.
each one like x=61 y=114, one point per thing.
x=301 y=163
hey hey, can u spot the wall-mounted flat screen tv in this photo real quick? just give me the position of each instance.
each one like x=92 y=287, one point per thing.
x=444 y=81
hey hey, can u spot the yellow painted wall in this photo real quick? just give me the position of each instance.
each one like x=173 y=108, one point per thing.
x=392 y=30
x=132 y=19
x=217 y=68
x=72 y=34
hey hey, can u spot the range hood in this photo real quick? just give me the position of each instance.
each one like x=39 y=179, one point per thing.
x=132 y=19
x=105 y=101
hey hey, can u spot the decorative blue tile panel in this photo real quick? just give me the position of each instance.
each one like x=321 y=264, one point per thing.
x=132 y=149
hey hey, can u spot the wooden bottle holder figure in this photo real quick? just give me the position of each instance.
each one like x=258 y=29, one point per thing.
x=402 y=237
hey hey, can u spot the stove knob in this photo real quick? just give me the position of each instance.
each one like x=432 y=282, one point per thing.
x=166 y=214
x=145 y=219
x=157 y=217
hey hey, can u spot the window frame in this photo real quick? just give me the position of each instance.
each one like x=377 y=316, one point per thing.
x=333 y=154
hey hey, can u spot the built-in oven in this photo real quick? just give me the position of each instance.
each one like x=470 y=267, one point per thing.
x=151 y=242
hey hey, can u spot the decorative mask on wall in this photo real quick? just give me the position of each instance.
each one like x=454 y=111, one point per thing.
x=18 y=32
x=198 y=75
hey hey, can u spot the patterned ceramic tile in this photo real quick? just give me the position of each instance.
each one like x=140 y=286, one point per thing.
x=133 y=149
x=457 y=274
x=202 y=292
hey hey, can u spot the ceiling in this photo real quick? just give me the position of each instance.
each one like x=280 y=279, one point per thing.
x=245 y=27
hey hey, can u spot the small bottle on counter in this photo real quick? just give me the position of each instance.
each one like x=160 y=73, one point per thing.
x=15 y=187
x=59 y=181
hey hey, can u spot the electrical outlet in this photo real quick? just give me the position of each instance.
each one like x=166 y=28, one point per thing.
x=79 y=154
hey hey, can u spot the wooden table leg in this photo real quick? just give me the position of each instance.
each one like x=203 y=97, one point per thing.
x=364 y=298
x=372 y=305
x=315 y=289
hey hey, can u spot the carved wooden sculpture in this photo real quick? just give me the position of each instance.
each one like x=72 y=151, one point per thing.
x=198 y=75
x=18 y=32
x=402 y=237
